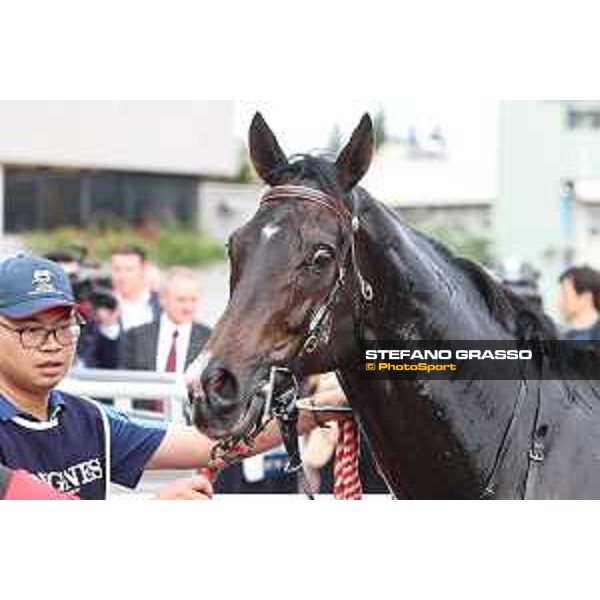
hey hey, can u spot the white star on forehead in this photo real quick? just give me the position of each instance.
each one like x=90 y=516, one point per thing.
x=269 y=231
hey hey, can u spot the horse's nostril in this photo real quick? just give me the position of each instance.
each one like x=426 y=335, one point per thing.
x=220 y=385
x=216 y=381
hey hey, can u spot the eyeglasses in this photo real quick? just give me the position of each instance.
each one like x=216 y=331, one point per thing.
x=33 y=338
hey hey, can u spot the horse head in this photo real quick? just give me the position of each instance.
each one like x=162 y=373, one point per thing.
x=288 y=268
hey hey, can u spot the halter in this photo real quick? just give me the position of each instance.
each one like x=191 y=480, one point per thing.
x=283 y=406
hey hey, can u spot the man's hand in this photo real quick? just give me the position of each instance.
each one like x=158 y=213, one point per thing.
x=194 y=488
x=187 y=448
x=324 y=406
x=106 y=316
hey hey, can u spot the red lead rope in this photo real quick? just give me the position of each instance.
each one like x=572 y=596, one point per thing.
x=347 y=485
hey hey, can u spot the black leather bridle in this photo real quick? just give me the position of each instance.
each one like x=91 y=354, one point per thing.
x=282 y=391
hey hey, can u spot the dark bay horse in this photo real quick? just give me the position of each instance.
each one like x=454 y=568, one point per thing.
x=322 y=266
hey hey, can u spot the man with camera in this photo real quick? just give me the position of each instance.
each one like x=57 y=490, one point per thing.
x=111 y=306
x=133 y=304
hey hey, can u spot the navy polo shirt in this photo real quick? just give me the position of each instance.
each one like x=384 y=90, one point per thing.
x=80 y=449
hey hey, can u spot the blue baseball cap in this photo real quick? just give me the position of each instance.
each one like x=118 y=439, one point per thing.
x=30 y=285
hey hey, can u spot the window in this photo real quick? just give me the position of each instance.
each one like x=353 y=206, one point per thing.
x=583 y=119
x=49 y=198
x=41 y=199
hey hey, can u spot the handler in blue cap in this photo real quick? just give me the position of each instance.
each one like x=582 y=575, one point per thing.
x=69 y=442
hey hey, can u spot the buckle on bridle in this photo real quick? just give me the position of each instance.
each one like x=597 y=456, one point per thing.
x=537 y=453
x=366 y=289
x=282 y=406
x=311 y=344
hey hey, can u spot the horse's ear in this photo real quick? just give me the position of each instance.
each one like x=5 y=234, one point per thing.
x=265 y=151
x=355 y=159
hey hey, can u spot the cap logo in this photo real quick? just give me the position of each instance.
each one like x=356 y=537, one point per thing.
x=42 y=282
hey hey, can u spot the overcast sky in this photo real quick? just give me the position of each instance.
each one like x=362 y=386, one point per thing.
x=470 y=125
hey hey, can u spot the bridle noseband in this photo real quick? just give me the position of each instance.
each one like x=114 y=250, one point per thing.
x=312 y=195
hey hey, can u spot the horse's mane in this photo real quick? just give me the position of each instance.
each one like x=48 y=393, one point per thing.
x=505 y=305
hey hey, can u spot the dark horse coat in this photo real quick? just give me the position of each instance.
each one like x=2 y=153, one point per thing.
x=308 y=252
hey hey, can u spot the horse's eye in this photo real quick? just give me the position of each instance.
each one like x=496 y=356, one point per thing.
x=321 y=258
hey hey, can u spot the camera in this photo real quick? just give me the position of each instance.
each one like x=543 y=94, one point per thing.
x=96 y=292
x=91 y=289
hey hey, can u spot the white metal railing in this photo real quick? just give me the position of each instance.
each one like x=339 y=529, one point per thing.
x=124 y=386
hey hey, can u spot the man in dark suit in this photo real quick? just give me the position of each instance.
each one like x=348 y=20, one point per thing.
x=171 y=343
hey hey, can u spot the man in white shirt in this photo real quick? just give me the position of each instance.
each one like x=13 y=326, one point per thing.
x=138 y=304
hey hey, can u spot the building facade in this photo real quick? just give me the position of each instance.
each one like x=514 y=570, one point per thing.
x=548 y=205
x=103 y=162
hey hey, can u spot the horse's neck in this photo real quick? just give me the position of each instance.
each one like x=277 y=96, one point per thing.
x=432 y=439
x=421 y=286
x=440 y=437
